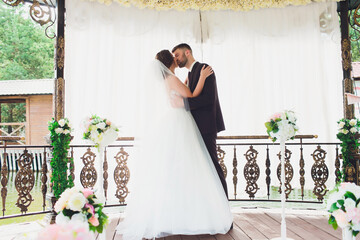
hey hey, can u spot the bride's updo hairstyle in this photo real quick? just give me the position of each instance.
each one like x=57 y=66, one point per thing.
x=165 y=57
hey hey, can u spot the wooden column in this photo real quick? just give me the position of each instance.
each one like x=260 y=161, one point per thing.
x=348 y=86
x=59 y=98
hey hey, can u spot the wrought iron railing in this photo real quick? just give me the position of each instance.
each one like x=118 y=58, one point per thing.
x=250 y=163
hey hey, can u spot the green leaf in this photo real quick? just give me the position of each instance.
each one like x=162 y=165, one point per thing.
x=333 y=207
x=350 y=195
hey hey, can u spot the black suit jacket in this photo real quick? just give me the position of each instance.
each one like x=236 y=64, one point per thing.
x=205 y=108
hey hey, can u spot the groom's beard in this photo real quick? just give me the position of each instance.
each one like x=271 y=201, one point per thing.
x=181 y=64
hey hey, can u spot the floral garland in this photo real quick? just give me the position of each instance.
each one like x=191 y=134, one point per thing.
x=60 y=140
x=204 y=5
x=343 y=204
x=77 y=205
x=348 y=130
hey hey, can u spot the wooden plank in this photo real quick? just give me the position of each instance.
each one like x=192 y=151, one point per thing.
x=206 y=237
x=321 y=221
x=111 y=228
x=189 y=237
x=177 y=237
x=276 y=224
x=237 y=233
x=299 y=230
x=224 y=237
x=248 y=228
x=270 y=231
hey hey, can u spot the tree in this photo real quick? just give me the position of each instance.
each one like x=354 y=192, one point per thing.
x=25 y=51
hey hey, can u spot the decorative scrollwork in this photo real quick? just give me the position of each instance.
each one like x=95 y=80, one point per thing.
x=24 y=181
x=251 y=172
x=221 y=156
x=337 y=166
x=43 y=13
x=88 y=175
x=44 y=178
x=346 y=55
x=235 y=172
x=105 y=174
x=4 y=181
x=60 y=52
x=268 y=171
x=121 y=175
x=319 y=173
x=13 y=3
x=302 y=172
x=350 y=173
x=289 y=172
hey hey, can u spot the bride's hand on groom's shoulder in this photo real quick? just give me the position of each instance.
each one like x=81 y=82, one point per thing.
x=206 y=71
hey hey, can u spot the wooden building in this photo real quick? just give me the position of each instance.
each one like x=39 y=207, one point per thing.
x=37 y=95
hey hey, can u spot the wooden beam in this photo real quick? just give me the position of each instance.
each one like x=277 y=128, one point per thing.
x=348 y=86
x=59 y=100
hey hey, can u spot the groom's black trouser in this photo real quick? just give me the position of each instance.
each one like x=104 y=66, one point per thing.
x=210 y=142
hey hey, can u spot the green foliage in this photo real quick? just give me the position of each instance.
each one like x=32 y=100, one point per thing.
x=25 y=51
x=348 y=129
x=60 y=140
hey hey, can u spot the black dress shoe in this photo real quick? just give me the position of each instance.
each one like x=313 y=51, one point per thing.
x=232 y=226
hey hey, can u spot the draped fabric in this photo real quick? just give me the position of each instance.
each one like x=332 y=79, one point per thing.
x=242 y=5
x=265 y=61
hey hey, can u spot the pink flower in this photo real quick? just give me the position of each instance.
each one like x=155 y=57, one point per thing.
x=108 y=122
x=94 y=221
x=353 y=215
x=275 y=116
x=87 y=192
x=90 y=208
x=340 y=217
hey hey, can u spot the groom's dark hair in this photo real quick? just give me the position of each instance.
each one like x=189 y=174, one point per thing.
x=182 y=46
x=165 y=57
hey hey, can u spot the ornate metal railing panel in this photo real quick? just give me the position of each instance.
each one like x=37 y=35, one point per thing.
x=253 y=161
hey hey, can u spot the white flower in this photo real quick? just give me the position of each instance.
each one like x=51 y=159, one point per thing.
x=79 y=217
x=59 y=130
x=341 y=125
x=62 y=122
x=66 y=131
x=353 y=122
x=62 y=219
x=101 y=125
x=353 y=130
x=349 y=204
x=345 y=131
x=77 y=202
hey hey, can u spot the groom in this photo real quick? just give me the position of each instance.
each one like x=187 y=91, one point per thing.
x=205 y=108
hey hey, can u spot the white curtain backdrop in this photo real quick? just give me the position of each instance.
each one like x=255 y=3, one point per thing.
x=265 y=61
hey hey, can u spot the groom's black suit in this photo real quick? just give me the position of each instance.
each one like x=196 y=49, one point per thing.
x=206 y=111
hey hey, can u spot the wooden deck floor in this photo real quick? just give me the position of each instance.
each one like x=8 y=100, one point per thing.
x=263 y=225
x=248 y=224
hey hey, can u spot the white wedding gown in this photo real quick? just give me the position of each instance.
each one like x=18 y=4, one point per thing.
x=175 y=187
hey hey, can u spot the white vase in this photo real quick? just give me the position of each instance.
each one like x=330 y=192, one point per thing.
x=347 y=234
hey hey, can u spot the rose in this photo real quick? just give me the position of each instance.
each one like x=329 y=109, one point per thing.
x=341 y=125
x=62 y=122
x=345 y=131
x=66 y=131
x=59 y=130
x=353 y=130
x=77 y=202
x=87 y=192
x=340 y=217
x=101 y=125
x=94 y=221
x=352 y=122
x=79 y=217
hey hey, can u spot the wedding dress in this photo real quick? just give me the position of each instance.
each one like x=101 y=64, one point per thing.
x=174 y=187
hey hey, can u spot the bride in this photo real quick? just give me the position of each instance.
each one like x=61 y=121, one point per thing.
x=175 y=187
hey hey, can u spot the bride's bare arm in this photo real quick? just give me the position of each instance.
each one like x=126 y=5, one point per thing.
x=184 y=91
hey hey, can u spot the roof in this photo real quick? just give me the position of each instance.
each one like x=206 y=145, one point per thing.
x=26 y=87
